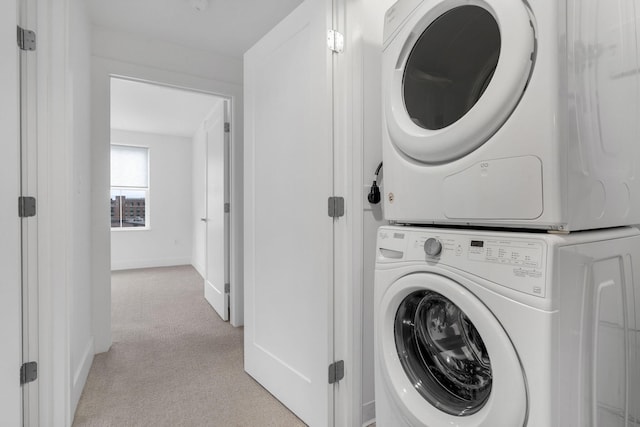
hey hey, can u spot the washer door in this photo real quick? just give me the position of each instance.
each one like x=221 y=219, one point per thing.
x=446 y=359
x=454 y=73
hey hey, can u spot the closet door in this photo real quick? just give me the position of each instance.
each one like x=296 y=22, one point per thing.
x=289 y=251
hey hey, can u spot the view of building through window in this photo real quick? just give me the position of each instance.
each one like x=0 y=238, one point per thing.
x=129 y=186
x=128 y=208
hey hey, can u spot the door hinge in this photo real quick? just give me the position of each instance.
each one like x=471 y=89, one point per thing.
x=335 y=41
x=336 y=371
x=26 y=206
x=227 y=208
x=336 y=207
x=28 y=372
x=26 y=39
x=227 y=127
x=227 y=288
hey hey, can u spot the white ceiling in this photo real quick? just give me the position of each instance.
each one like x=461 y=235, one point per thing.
x=228 y=27
x=149 y=108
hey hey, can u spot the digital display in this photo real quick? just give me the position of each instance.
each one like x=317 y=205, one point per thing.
x=477 y=243
x=398 y=235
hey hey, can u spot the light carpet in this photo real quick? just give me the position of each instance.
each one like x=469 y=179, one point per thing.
x=173 y=361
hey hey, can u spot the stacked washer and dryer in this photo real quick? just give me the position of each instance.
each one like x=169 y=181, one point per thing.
x=507 y=289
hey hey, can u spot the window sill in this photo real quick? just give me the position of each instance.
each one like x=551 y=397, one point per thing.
x=121 y=229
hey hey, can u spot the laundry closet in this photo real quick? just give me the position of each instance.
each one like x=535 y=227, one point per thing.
x=507 y=287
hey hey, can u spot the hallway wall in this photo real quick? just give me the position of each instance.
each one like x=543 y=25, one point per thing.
x=79 y=212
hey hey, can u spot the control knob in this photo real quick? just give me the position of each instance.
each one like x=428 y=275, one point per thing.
x=432 y=247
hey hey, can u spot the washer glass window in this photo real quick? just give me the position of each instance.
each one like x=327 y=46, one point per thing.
x=442 y=353
x=450 y=66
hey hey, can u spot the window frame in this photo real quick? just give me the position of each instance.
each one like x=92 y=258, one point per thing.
x=146 y=190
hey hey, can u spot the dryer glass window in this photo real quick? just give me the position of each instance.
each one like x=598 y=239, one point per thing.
x=450 y=66
x=442 y=353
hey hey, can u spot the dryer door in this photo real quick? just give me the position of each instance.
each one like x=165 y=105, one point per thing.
x=454 y=73
x=446 y=359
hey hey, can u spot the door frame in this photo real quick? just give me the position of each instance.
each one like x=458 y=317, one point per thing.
x=348 y=182
x=102 y=71
x=27 y=18
x=53 y=152
x=10 y=330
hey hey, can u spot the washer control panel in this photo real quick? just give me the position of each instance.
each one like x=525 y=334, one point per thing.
x=500 y=251
x=518 y=263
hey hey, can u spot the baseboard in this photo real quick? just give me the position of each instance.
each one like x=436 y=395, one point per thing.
x=368 y=413
x=81 y=374
x=148 y=263
x=198 y=267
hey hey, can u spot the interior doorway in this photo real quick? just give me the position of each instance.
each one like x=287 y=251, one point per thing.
x=169 y=186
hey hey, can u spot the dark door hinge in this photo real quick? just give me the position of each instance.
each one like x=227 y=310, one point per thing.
x=28 y=372
x=26 y=206
x=227 y=288
x=336 y=371
x=227 y=127
x=26 y=39
x=336 y=207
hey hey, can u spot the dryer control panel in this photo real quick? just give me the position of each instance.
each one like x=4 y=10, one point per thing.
x=518 y=263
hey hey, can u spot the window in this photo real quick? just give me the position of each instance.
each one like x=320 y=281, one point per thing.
x=443 y=81
x=129 y=187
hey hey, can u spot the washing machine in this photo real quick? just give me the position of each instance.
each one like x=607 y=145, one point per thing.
x=487 y=328
x=512 y=113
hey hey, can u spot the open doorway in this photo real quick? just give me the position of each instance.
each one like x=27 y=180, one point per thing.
x=169 y=201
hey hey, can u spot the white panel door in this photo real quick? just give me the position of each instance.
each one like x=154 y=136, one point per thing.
x=217 y=221
x=10 y=288
x=288 y=233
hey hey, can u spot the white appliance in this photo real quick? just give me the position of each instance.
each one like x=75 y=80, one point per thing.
x=484 y=328
x=512 y=113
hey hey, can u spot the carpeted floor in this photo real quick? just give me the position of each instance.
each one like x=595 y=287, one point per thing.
x=173 y=362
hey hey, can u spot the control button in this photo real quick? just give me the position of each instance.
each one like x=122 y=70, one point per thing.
x=432 y=247
x=459 y=250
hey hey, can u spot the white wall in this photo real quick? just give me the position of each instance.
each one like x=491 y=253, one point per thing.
x=169 y=210
x=79 y=209
x=149 y=60
x=372 y=23
x=165 y=56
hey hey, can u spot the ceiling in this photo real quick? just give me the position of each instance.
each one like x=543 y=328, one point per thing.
x=228 y=27
x=149 y=108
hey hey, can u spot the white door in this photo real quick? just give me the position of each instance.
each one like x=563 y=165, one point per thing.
x=10 y=290
x=288 y=233
x=216 y=259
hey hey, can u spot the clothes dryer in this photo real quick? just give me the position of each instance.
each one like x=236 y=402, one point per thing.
x=512 y=113
x=482 y=328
